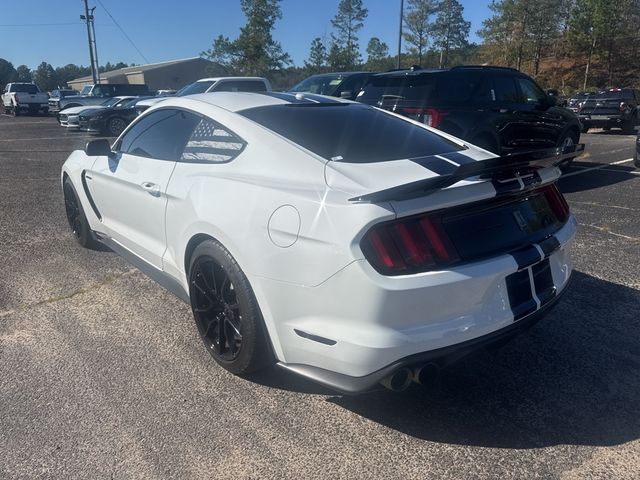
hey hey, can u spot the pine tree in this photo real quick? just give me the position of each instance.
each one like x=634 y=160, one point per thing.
x=23 y=74
x=377 y=55
x=417 y=25
x=317 y=56
x=450 y=29
x=345 y=52
x=254 y=52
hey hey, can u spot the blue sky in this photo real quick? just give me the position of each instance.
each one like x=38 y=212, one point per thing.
x=170 y=29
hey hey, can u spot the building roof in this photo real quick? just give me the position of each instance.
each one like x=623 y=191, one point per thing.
x=137 y=69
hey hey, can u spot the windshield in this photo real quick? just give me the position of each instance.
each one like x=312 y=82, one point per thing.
x=86 y=90
x=196 y=87
x=350 y=133
x=110 y=102
x=24 y=88
x=319 y=84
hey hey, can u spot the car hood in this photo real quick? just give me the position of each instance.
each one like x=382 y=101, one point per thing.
x=83 y=108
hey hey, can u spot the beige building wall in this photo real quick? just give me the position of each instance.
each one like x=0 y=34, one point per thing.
x=163 y=77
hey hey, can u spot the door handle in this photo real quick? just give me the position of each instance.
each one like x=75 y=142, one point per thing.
x=152 y=188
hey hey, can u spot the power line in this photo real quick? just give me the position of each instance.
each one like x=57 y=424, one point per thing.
x=123 y=32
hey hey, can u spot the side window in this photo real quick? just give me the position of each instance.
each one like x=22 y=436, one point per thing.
x=161 y=135
x=530 y=91
x=504 y=89
x=211 y=142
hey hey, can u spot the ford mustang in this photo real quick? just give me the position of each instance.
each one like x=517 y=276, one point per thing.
x=341 y=242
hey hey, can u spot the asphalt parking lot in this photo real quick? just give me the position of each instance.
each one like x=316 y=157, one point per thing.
x=103 y=374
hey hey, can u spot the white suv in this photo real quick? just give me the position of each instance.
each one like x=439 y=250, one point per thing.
x=215 y=84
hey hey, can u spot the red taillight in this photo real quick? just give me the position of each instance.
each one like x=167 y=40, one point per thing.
x=557 y=202
x=409 y=245
x=430 y=116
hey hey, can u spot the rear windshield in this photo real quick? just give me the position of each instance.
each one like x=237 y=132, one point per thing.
x=432 y=88
x=24 y=88
x=350 y=133
x=196 y=87
x=319 y=84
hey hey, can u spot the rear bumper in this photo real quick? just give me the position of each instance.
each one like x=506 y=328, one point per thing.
x=596 y=121
x=441 y=357
x=359 y=322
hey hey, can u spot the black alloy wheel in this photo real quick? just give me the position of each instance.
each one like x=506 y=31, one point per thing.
x=226 y=311
x=115 y=126
x=216 y=309
x=76 y=217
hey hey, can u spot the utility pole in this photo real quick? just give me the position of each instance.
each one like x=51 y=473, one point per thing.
x=91 y=34
x=400 y=33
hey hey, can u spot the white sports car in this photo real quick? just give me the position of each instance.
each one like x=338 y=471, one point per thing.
x=347 y=244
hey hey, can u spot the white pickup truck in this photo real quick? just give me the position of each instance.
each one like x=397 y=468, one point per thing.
x=24 y=97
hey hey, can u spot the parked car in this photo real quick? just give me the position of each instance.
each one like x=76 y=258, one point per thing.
x=70 y=117
x=217 y=84
x=575 y=101
x=341 y=84
x=96 y=94
x=56 y=96
x=24 y=97
x=111 y=120
x=349 y=245
x=499 y=109
x=614 y=108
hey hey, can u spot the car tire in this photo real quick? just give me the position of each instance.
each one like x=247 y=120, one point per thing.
x=115 y=126
x=628 y=127
x=76 y=217
x=226 y=311
x=636 y=160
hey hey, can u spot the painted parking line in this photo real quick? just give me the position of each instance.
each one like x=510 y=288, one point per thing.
x=599 y=167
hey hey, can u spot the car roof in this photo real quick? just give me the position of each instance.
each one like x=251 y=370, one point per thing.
x=237 y=101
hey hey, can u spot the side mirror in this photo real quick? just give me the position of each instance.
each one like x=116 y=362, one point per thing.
x=97 y=148
x=348 y=94
x=552 y=100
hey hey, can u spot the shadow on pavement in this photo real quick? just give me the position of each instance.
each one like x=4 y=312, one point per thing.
x=572 y=379
x=613 y=175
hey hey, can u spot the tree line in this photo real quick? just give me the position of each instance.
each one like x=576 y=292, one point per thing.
x=577 y=44
x=566 y=44
x=46 y=76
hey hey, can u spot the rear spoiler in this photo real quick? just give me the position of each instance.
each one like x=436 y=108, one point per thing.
x=507 y=166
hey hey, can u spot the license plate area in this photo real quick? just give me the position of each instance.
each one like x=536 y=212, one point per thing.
x=497 y=228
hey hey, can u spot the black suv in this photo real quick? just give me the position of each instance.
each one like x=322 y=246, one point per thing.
x=499 y=109
x=617 y=107
x=339 y=84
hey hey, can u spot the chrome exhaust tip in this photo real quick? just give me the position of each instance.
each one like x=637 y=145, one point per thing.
x=426 y=374
x=398 y=381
